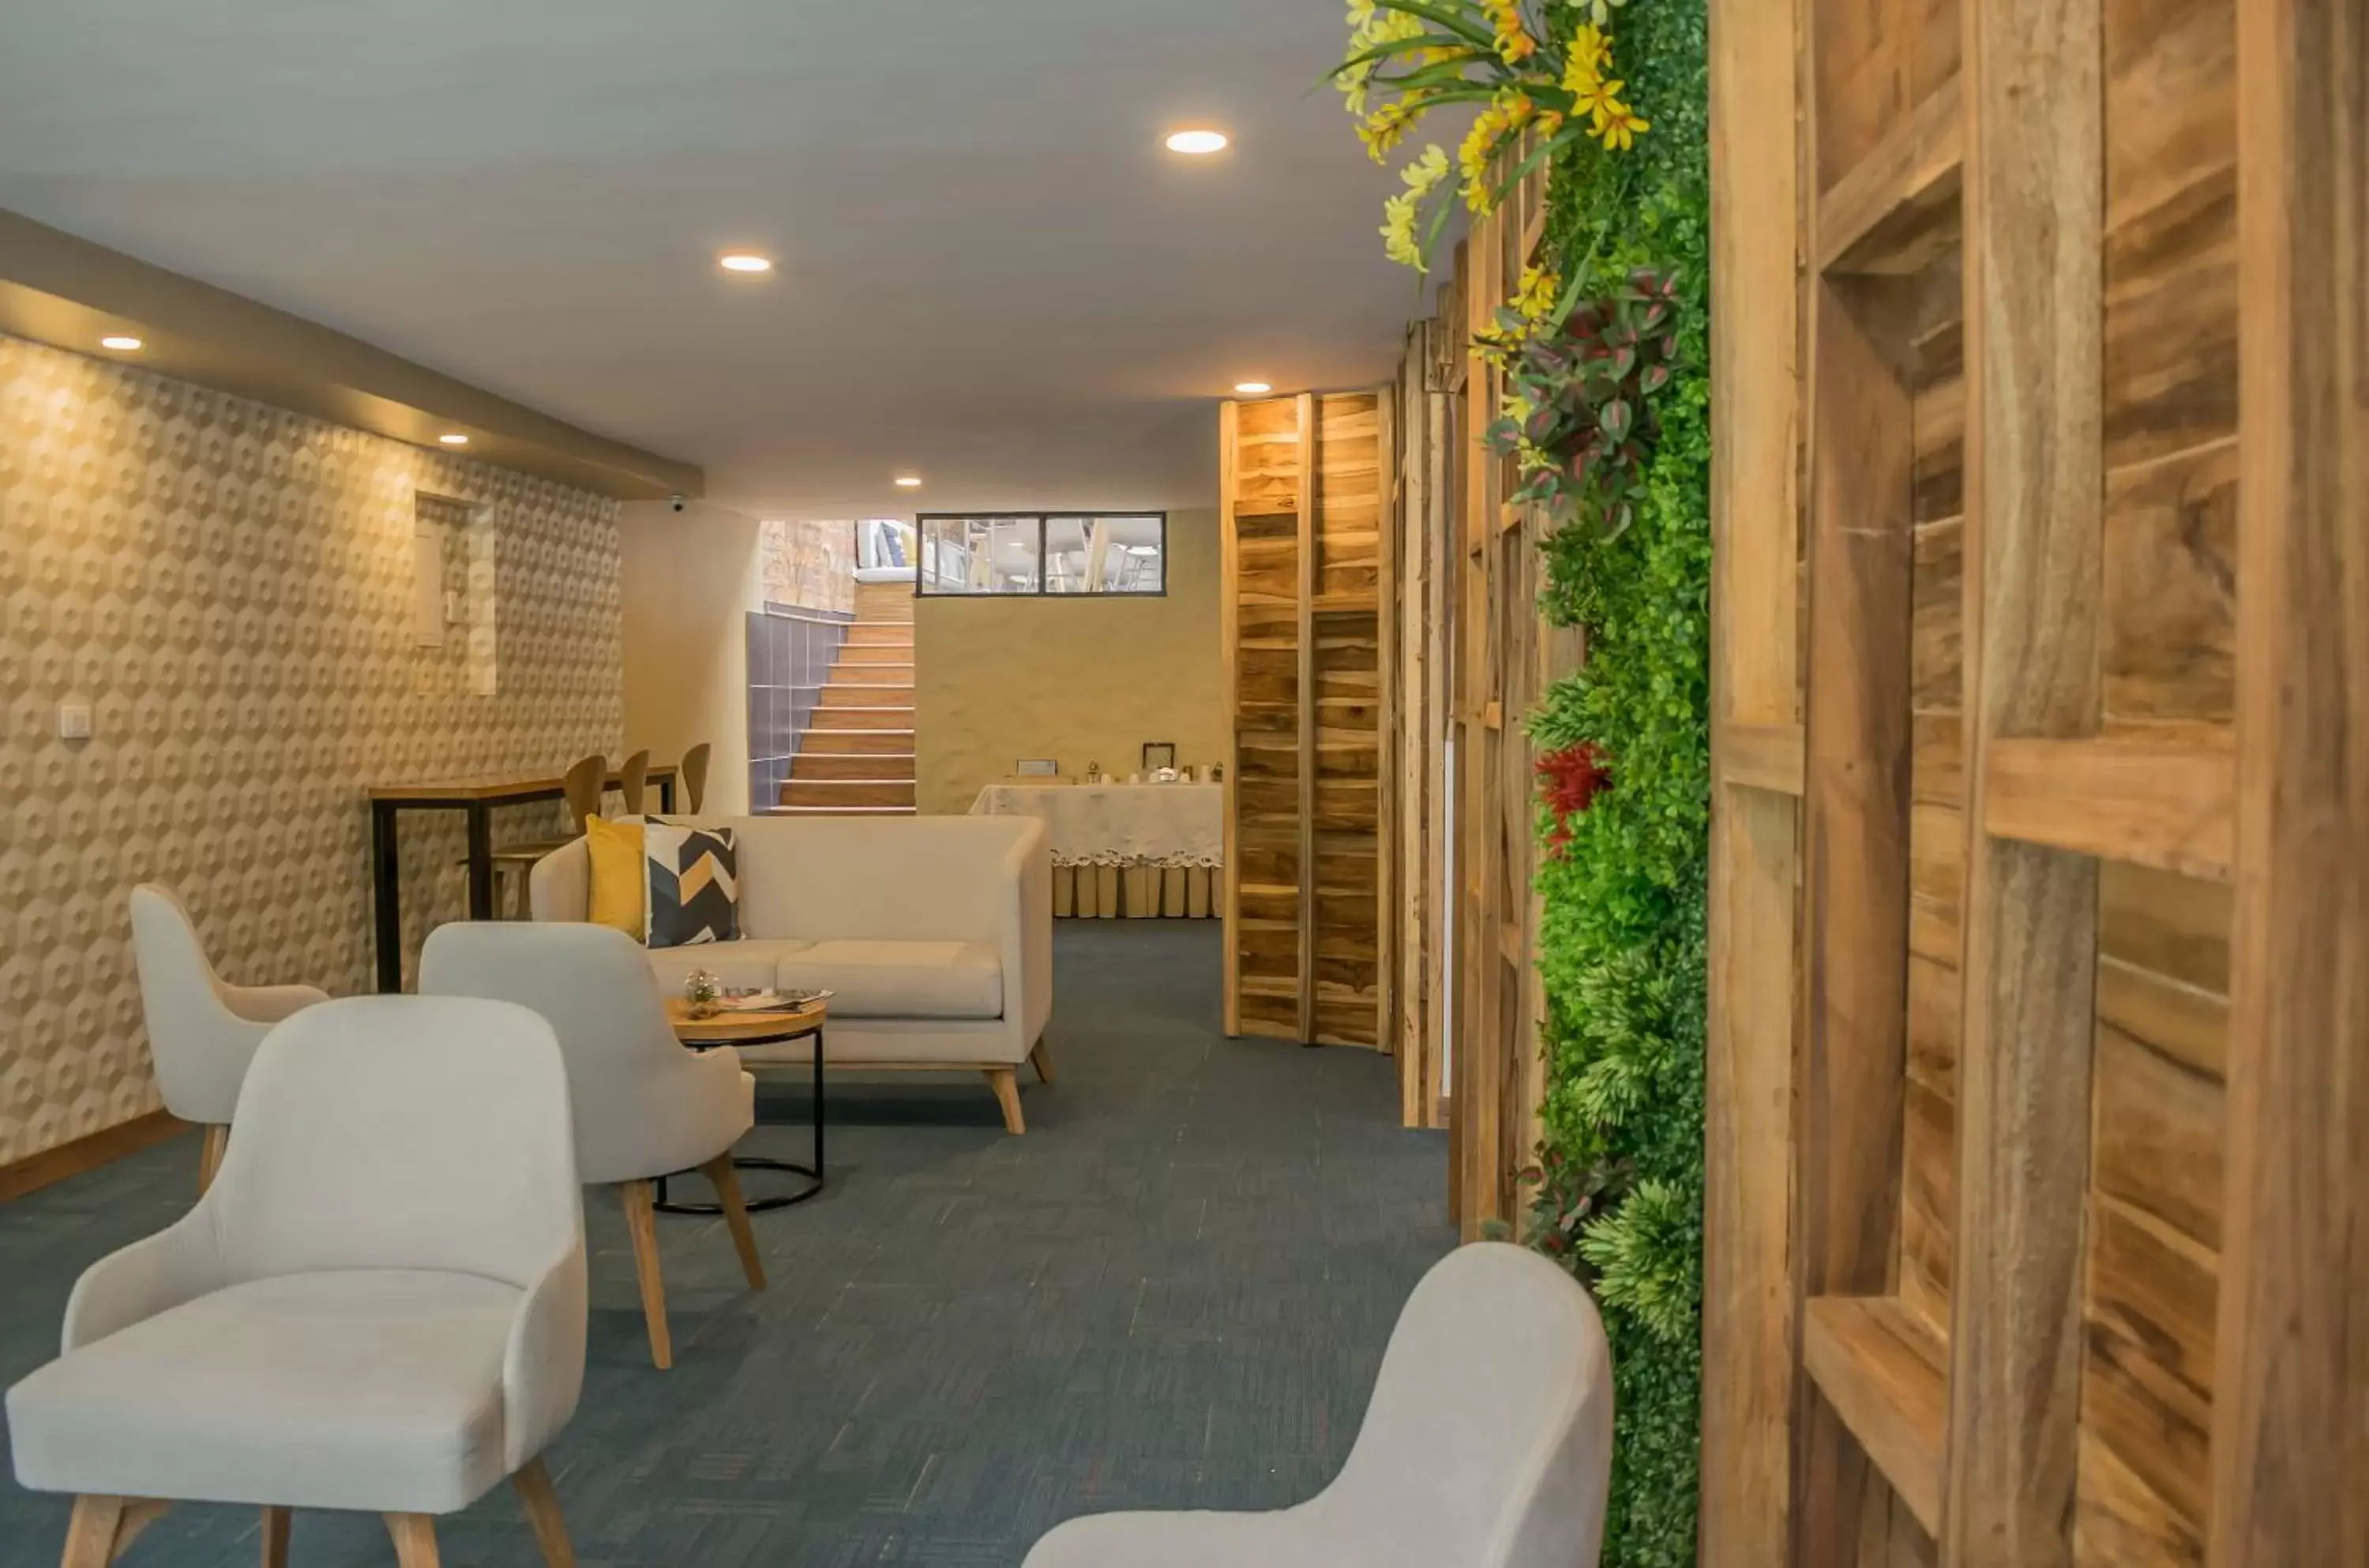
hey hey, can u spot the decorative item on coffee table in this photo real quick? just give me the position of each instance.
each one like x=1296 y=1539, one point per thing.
x=761 y=1018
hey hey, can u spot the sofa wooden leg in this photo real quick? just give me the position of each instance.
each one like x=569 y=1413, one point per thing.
x=274 y=1546
x=103 y=1526
x=1005 y=1081
x=721 y=1172
x=210 y=1155
x=415 y=1539
x=543 y=1515
x=1041 y=1060
x=641 y=1223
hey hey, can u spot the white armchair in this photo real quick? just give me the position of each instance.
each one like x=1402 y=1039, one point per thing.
x=645 y=1108
x=1488 y=1445
x=201 y=1030
x=378 y=1305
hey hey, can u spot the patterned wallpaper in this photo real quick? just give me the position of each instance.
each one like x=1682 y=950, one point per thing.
x=228 y=585
x=810 y=566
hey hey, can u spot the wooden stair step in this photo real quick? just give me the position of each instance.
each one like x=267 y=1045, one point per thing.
x=852 y=654
x=879 y=633
x=861 y=673
x=856 y=742
x=848 y=792
x=832 y=715
x=841 y=811
x=859 y=695
x=853 y=765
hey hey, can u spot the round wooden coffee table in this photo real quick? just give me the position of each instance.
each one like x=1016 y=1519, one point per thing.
x=727 y=1028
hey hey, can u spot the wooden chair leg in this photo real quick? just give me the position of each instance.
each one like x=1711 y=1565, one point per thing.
x=274 y=1553
x=210 y=1155
x=1041 y=1060
x=1005 y=1081
x=543 y=1515
x=415 y=1539
x=641 y=1221
x=721 y=1172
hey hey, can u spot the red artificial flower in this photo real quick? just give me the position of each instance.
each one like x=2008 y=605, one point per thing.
x=1573 y=776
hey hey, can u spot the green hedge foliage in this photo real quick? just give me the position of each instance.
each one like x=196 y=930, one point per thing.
x=1623 y=943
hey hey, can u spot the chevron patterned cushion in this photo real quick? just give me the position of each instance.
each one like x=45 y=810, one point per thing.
x=695 y=885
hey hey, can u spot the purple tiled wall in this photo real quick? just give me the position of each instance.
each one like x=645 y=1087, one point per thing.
x=790 y=656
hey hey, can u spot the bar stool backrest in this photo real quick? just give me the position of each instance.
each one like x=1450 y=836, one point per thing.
x=694 y=778
x=631 y=777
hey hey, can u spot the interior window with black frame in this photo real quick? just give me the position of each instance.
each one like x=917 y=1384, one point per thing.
x=1044 y=554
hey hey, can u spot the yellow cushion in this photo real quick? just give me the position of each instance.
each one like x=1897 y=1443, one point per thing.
x=619 y=880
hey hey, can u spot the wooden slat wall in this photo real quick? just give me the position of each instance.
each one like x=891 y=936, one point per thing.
x=1304 y=483
x=1415 y=902
x=2097 y=1300
x=1505 y=657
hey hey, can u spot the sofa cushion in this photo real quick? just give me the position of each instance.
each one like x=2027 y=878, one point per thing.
x=900 y=979
x=694 y=892
x=368 y=1389
x=749 y=965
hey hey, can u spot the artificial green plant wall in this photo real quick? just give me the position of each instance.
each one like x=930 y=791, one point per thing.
x=1607 y=348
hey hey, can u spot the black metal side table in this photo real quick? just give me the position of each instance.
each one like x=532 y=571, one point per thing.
x=736 y=1029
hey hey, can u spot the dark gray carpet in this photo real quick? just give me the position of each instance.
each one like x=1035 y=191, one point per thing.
x=1173 y=1292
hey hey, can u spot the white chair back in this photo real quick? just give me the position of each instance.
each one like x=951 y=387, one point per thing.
x=200 y=1046
x=1489 y=1440
x=401 y=1132
x=627 y=1075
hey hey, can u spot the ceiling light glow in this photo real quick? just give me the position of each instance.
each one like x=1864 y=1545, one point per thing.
x=121 y=342
x=909 y=481
x=745 y=261
x=1197 y=144
x=453 y=438
x=1253 y=388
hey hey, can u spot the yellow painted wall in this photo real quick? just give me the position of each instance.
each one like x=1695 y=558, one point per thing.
x=1082 y=680
x=691 y=578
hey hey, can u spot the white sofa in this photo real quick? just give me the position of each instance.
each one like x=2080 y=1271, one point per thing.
x=935 y=934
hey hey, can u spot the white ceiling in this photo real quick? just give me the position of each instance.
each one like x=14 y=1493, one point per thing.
x=991 y=271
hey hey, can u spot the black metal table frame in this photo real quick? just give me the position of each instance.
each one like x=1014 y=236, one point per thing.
x=387 y=871
x=814 y=1172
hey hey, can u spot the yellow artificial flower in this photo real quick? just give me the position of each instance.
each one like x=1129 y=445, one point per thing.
x=1361 y=14
x=1537 y=293
x=1506 y=114
x=1591 y=53
x=1598 y=100
x=1515 y=43
x=1619 y=127
x=1386 y=127
x=1400 y=212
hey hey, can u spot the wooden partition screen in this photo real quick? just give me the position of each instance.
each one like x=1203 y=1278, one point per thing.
x=2037 y=1203
x=1309 y=811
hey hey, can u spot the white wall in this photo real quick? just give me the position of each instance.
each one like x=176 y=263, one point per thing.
x=690 y=580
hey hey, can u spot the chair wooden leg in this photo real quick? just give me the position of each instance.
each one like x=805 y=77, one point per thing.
x=210 y=1155
x=415 y=1539
x=102 y=1526
x=641 y=1221
x=274 y=1549
x=721 y=1172
x=1041 y=1060
x=543 y=1515
x=1005 y=1081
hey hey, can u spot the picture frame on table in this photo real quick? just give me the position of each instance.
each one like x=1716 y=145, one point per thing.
x=1158 y=754
x=1036 y=768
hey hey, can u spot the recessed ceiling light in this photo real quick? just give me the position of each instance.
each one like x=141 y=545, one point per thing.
x=1197 y=144
x=453 y=438
x=909 y=481
x=745 y=261
x=1252 y=388
x=121 y=342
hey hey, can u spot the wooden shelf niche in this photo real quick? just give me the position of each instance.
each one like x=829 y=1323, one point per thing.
x=2024 y=988
x=1303 y=483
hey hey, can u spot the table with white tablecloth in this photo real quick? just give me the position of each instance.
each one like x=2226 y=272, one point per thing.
x=1141 y=849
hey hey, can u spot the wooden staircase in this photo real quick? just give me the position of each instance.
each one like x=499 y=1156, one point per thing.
x=855 y=756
